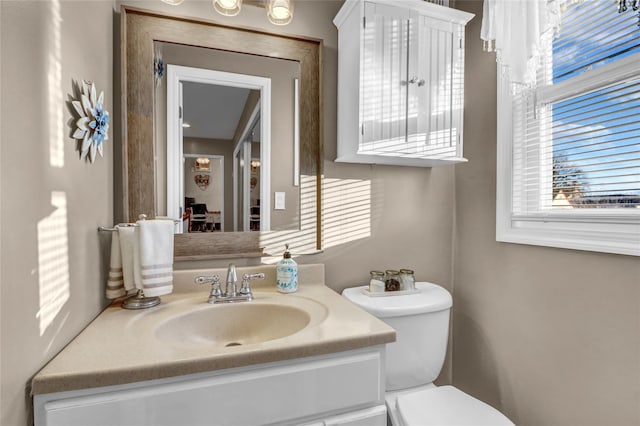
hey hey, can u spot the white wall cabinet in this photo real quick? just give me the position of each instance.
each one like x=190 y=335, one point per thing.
x=400 y=82
x=338 y=389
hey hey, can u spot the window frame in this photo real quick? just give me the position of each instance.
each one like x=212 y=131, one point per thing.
x=605 y=230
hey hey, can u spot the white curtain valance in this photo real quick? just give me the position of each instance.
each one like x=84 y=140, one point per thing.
x=517 y=30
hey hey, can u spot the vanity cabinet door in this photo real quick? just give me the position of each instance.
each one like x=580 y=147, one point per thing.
x=409 y=82
x=326 y=387
x=374 y=416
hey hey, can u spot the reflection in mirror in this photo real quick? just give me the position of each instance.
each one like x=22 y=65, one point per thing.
x=145 y=127
x=220 y=90
x=250 y=182
x=222 y=114
x=203 y=193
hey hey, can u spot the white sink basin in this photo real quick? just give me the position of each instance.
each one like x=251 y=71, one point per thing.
x=235 y=324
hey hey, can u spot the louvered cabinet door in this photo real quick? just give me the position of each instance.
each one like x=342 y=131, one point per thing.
x=436 y=88
x=385 y=61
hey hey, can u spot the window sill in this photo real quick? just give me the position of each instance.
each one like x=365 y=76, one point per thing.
x=618 y=238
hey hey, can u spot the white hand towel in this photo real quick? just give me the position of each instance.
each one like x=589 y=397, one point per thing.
x=130 y=257
x=156 y=256
x=115 y=282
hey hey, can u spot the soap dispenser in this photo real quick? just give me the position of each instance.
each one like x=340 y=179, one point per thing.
x=287 y=273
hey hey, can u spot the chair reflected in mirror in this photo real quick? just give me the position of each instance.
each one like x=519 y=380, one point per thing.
x=198 y=218
x=214 y=221
x=198 y=222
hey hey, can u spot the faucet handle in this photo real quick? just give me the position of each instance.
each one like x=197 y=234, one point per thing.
x=246 y=288
x=206 y=279
x=215 y=284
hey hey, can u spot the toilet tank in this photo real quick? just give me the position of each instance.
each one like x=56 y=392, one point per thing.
x=421 y=321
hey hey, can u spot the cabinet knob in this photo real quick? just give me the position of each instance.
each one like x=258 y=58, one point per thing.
x=415 y=80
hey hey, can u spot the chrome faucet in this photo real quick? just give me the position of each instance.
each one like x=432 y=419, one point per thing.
x=231 y=293
x=232 y=281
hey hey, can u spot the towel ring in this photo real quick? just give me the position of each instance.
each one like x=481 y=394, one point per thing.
x=141 y=217
x=139 y=301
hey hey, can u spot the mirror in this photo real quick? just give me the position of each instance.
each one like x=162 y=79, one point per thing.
x=145 y=178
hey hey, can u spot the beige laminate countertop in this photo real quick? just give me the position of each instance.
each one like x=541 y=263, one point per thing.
x=120 y=346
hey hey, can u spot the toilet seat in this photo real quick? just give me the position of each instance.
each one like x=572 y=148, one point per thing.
x=447 y=406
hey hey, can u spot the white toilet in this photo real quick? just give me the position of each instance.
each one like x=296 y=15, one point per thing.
x=414 y=360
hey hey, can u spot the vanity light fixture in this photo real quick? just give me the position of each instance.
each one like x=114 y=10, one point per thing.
x=280 y=12
x=202 y=164
x=227 y=7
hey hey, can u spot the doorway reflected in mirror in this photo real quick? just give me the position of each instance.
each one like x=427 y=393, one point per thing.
x=219 y=114
x=204 y=188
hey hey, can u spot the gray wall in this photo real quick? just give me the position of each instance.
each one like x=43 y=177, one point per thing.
x=550 y=336
x=53 y=268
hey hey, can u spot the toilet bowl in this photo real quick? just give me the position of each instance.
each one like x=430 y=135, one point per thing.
x=415 y=359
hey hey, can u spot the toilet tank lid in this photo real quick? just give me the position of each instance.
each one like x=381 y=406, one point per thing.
x=430 y=298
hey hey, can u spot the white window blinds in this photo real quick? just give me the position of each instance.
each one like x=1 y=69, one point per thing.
x=576 y=138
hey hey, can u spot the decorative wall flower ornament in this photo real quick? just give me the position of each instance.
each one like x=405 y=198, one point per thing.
x=92 y=126
x=158 y=67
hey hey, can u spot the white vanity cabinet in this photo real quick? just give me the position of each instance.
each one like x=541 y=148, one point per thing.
x=400 y=82
x=344 y=388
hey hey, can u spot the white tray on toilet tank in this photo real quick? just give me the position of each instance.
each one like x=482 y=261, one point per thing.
x=366 y=292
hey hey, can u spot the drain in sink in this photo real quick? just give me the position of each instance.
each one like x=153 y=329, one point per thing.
x=232 y=344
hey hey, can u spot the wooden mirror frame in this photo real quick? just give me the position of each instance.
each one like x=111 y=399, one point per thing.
x=139 y=30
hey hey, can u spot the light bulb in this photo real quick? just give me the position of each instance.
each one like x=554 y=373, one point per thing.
x=280 y=12
x=227 y=4
x=227 y=7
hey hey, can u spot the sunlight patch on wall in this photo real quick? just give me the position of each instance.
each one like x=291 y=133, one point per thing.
x=346 y=217
x=54 y=86
x=300 y=241
x=53 y=261
x=347 y=210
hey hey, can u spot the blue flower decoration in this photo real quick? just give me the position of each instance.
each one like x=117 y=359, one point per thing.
x=158 y=67
x=93 y=122
x=99 y=124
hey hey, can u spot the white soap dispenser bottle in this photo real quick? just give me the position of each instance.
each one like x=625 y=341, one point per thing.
x=287 y=273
